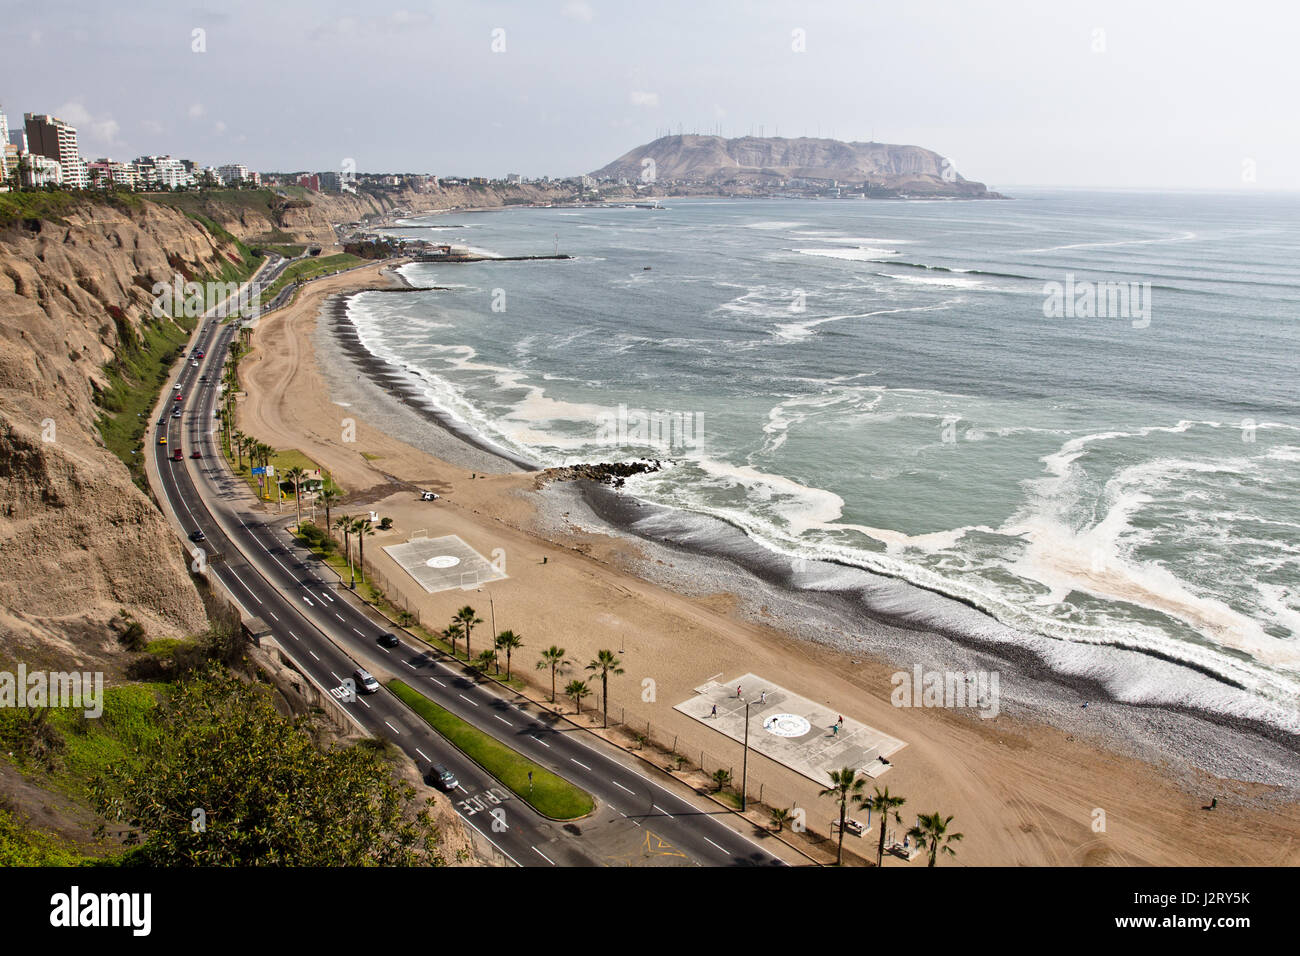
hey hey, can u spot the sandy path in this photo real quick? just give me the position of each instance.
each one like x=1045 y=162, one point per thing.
x=1021 y=793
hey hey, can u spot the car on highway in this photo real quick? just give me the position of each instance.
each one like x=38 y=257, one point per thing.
x=197 y=536
x=162 y=439
x=178 y=455
x=177 y=387
x=200 y=355
x=442 y=778
x=180 y=397
x=176 y=413
x=366 y=682
x=196 y=454
x=389 y=639
x=163 y=420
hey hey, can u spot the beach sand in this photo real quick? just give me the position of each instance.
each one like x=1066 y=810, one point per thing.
x=1022 y=793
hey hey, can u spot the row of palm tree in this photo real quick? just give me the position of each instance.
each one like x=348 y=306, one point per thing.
x=347 y=525
x=556 y=660
x=930 y=832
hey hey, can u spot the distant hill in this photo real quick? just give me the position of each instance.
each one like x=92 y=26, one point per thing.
x=770 y=161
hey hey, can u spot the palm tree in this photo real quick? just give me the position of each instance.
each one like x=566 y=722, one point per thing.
x=931 y=833
x=328 y=497
x=344 y=524
x=576 y=690
x=721 y=778
x=467 y=619
x=237 y=439
x=509 y=641
x=361 y=528
x=607 y=664
x=845 y=785
x=296 y=475
x=883 y=804
x=454 y=632
x=779 y=817
x=554 y=659
x=484 y=660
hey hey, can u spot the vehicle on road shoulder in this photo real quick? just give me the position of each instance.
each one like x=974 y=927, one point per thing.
x=366 y=683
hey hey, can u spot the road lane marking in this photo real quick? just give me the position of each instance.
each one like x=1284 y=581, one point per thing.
x=466 y=699
x=541 y=741
x=663 y=811
x=722 y=848
x=621 y=787
x=544 y=856
x=503 y=720
x=422 y=753
x=580 y=764
x=392 y=728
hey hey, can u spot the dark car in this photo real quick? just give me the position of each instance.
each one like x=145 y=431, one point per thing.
x=442 y=778
x=389 y=639
x=197 y=536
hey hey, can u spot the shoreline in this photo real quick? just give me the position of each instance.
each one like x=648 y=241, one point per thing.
x=618 y=514
x=1034 y=783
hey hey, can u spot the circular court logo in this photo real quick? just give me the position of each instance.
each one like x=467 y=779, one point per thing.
x=443 y=561
x=787 y=725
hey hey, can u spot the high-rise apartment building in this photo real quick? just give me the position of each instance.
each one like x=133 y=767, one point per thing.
x=49 y=136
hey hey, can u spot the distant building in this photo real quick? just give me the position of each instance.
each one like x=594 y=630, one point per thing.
x=41 y=170
x=54 y=139
x=329 y=181
x=162 y=172
x=232 y=174
x=311 y=182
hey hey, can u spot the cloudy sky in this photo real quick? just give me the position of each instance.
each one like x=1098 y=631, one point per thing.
x=1017 y=92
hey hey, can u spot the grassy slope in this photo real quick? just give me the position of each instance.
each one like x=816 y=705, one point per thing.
x=311 y=269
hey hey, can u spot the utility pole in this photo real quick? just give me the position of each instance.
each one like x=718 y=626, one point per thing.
x=744 y=764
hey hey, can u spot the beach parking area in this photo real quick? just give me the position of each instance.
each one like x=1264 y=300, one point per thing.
x=794 y=731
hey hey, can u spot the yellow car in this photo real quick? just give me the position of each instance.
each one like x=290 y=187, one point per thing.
x=162 y=439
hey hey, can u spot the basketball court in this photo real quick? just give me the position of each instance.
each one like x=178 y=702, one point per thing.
x=440 y=564
x=790 y=729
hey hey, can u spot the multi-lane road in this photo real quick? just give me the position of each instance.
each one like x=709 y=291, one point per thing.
x=641 y=817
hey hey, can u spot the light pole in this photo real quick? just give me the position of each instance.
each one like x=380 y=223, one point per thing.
x=492 y=611
x=744 y=764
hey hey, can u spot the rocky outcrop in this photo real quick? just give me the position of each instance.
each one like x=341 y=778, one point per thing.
x=80 y=543
x=605 y=473
x=772 y=160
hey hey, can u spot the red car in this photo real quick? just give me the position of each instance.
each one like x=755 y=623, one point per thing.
x=200 y=355
x=179 y=397
x=196 y=454
x=178 y=456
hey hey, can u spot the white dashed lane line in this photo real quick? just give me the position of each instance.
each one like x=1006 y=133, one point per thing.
x=580 y=764
x=621 y=787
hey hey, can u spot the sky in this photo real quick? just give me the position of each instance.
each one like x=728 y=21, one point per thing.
x=1135 y=94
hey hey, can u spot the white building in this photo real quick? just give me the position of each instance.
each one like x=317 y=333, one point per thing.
x=162 y=172
x=233 y=174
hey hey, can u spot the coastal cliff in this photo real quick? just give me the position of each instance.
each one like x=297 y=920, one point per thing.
x=80 y=543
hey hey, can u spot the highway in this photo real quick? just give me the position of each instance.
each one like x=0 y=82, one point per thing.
x=639 y=820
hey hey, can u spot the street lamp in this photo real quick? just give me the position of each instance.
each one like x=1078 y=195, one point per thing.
x=492 y=609
x=744 y=764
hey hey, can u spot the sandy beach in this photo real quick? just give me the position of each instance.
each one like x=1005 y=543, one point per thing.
x=1022 y=792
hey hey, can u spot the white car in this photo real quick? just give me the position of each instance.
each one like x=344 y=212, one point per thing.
x=366 y=683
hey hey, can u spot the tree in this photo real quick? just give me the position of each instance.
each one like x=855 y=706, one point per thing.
x=296 y=475
x=607 y=664
x=779 y=817
x=344 y=524
x=721 y=778
x=509 y=641
x=467 y=618
x=361 y=528
x=845 y=785
x=575 y=690
x=484 y=660
x=328 y=497
x=454 y=632
x=931 y=833
x=266 y=794
x=883 y=805
x=237 y=440
x=553 y=659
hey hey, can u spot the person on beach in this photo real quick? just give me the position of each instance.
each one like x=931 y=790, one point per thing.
x=737 y=690
x=715 y=711
x=762 y=698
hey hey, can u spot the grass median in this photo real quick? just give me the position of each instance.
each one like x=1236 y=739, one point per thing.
x=549 y=795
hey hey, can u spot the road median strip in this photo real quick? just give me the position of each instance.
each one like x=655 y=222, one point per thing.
x=548 y=794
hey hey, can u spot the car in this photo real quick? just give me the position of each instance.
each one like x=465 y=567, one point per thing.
x=203 y=378
x=196 y=454
x=366 y=683
x=162 y=439
x=389 y=639
x=428 y=496
x=200 y=355
x=163 y=420
x=177 y=386
x=179 y=397
x=442 y=778
x=178 y=456
x=194 y=364
x=197 y=536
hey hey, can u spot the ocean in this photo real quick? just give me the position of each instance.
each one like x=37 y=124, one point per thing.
x=1077 y=413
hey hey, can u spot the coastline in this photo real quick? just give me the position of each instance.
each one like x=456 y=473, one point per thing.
x=757 y=616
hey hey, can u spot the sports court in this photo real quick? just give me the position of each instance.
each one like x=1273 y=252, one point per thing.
x=440 y=564
x=790 y=729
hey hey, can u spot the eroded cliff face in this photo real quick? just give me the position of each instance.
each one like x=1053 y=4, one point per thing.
x=80 y=543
